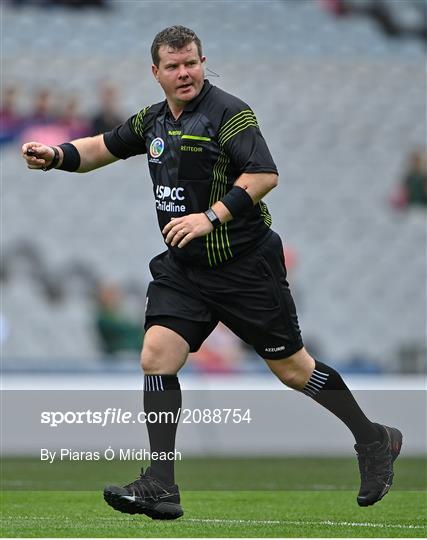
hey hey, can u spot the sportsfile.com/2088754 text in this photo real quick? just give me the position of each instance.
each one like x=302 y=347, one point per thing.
x=113 y=415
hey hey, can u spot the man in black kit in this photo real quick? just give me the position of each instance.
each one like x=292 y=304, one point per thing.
x=211 y=168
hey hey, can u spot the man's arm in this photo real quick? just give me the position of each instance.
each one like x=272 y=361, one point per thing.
x=256 y=185
x=92 y=150
x=180 y=231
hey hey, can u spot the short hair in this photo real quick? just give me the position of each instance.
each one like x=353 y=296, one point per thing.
x=175 y=37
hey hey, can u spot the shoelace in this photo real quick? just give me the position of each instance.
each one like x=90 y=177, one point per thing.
x=373 y=466
x=366 y=466
x=146 y=487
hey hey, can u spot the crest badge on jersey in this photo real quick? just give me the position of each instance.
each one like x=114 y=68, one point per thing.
x=156 y=147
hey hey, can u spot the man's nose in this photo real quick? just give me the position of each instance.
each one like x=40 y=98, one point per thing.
x=183 y=73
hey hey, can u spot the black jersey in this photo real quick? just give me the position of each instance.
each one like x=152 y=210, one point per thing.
x=194 y=161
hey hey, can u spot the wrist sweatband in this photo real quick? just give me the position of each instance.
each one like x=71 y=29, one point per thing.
x=238 y=201
x=71 y=159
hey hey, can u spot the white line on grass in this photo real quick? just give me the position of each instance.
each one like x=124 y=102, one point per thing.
x=288 y=522
x=227 y=521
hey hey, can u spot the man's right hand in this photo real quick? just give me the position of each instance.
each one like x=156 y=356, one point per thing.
x=37 y=155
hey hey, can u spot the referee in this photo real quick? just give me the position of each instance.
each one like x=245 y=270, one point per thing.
x=211 y=168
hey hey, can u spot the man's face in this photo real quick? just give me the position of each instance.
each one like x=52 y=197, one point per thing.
x=180 y=73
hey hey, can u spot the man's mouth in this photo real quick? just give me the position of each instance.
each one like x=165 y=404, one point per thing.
x=184 y=86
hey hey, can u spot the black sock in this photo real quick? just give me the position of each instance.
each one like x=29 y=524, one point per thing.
x=327 y=388
x=162 y=393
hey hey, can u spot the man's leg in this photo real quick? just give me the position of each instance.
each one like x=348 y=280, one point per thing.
x=325 y=385
x=377 y=446
x=154 y=493
x=163 y=354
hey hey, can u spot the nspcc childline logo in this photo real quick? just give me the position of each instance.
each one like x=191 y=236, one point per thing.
x=169 y=199
x=156 y=147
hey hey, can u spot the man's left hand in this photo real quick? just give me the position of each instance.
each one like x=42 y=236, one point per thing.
x=180 y=231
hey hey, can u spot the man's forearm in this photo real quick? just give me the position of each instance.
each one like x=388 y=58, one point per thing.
x=256 y=186
x=93 y=153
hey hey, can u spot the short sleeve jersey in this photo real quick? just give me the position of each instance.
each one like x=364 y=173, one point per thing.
x=194 y=161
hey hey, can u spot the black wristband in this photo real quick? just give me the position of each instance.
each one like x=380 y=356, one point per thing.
x=54 y=161
x=71 y=159
x=213 y=218
x=238 y=201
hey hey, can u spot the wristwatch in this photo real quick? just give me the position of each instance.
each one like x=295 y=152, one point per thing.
x=213 y=218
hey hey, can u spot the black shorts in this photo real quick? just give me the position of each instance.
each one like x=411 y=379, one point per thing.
x=250 y=296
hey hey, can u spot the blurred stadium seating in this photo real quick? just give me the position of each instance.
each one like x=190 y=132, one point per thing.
x=340 y=106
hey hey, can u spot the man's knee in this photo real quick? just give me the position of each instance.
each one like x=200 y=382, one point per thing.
x=152 y=358
x=163 y=352
x=294 y=371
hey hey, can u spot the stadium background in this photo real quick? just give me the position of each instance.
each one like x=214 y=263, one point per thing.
x=341 y=106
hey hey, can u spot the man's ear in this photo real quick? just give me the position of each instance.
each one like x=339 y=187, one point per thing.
x=155 y=72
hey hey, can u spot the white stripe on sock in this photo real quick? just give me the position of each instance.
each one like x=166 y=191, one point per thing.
x=315 y=385
x=308 y=392
x=318 y=379
x=153 y=383
x=312 y=389
x=320 y=374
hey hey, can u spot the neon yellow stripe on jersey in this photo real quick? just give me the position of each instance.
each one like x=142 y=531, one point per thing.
x=196 y=138
x=241 y=125
x=138 y=122
x=231 y=120
x=265 y=214
x=217 y=242
x=237 y=123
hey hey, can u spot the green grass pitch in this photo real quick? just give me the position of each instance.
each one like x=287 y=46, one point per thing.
x=262 y=497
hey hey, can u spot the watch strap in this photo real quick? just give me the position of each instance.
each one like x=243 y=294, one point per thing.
x=213 y=218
